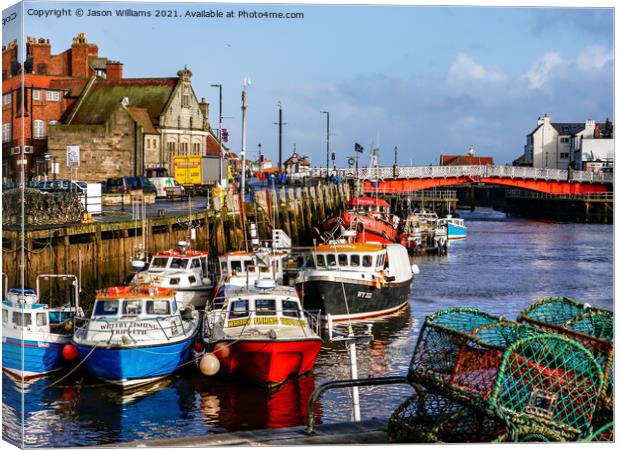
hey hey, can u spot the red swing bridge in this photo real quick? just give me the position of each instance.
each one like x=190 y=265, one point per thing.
x=401 y=180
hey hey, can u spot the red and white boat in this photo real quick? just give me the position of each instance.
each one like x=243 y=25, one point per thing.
x=263 y=334
x=370 y=217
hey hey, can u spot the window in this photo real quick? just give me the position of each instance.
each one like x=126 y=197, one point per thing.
x=41 y=319
x=36 y=94
x=265 y=307
x=238 y=308
x=174 y=281
x=184 y=146
x=196 y=148
x=195 y=263
x=343 y=260
x=6 y=99
x=6 y=132
x=564 y=140
x=203 y=260
x=179 y=263
x=563 y=155
x=21 y=319
x=5 y=315
x=159 y=263
x=235 y=264
x=106 y=308
x=250 y=267
x=132 y=307
x=223 y=267
x=380 y=261
x=161 y=307
x=290 y=308
x=367 y=261
x=191 y=279
x=331 y=260
x=39 y=129
x=52 y=96
x=148 y=143
x=355 y=260
x=320 y=261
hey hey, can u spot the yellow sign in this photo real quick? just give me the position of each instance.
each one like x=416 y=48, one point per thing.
x=237 y=323
x=187 y=169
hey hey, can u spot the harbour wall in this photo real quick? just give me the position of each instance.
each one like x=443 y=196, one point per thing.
x=101 y=252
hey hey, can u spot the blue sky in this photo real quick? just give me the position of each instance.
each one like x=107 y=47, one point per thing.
x=429 y=80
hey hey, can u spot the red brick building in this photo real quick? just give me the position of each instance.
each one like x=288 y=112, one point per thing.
x=38 y=94
x=470 y=159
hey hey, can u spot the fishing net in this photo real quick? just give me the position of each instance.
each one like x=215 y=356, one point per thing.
x=431 y=417
x=604 y=434
x=547 y=385
x=592 y=327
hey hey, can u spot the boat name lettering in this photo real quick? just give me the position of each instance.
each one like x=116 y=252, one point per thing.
x=237 y=323
x=265 y=321
x=364 y=294
x=127 y=325
x=292 y=322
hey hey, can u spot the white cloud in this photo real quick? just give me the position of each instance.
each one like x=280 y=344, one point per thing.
x=542 y=70
x=464 y=70
x=594 y=58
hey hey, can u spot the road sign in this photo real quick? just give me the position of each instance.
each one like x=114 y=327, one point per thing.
x=73 y=156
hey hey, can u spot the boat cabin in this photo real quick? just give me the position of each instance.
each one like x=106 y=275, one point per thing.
x=131 y=301
x=370 y=205
x=181 y=259
x=251 y=265
x=22 y=310
x=356 y=257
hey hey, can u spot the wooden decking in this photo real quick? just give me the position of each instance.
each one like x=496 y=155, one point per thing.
x=372 y=431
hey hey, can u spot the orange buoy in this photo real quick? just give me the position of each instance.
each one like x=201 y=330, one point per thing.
x=209 y=364
x=69 y=352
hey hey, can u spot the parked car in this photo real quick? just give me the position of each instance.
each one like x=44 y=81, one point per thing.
x=123 y=185
x=167 y=187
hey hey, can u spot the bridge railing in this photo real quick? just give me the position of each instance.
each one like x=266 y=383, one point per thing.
x=382 y=173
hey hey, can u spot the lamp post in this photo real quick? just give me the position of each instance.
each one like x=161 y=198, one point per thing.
x=327 y=158
x=219 y=132
x=395 y=161
x=246 y=83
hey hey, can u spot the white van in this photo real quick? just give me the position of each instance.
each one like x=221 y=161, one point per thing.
x=167 y=187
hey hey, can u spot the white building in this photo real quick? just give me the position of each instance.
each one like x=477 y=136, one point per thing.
x=560 y=145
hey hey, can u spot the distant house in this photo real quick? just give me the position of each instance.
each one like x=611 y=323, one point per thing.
x=296 y=164
x=559 y=145
x=470 y=159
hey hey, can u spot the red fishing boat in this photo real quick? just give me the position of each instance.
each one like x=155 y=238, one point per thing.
x=370 y=217
x=262 y=334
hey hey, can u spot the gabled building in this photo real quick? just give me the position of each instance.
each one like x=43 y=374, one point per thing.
x=470 y=159
x=125 y=126
x=296 y=164
x=560 y=145
x=52 y=84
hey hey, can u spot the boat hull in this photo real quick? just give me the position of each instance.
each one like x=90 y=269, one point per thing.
x=363 y=299
x=39 y=358
x=135 y=365
x=456 y=231
x=266 y=362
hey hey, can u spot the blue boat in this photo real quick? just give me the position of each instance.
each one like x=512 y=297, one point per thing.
x=136 y=335
x=33 y=333
x=456 y=227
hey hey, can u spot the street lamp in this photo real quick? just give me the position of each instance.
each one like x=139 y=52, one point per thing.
x=327 y=159
x=395 y=161
x=219 y=132
x=246 y=83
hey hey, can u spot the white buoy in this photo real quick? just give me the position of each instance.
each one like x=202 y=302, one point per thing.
x=209 y=364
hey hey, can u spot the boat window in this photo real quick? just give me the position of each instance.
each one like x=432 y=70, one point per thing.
x=250 y=267
x=174 y=281
x=265 y=307
x=5 y=315
x=379 y=261
x=191 y=279
x=320 y=261
x=367 y=261
x=22 y=319
x=223 y=267
x=132 y=307
x=106 y=308
x=355 y=260
x=159 y=263
x=41 y=319
x=195 y=263
x=235 y=264
x=203 y=260
x=264 y=269
x=331 y=260
x=179 y=263
x=157 y=307
x=290 y=308
x=238 y=308
x=343 y=260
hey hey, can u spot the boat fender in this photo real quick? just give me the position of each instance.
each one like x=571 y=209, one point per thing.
x=415 y=269
x=198 y=346
x=68 y=326
x=69 y=352
x=273 y=335
x=209 y=364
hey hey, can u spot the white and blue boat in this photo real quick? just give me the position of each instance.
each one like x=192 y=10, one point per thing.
x=456 y=227
x=33 y=333
x=136 y=335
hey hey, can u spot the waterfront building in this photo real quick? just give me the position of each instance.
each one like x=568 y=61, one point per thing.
x=579 y=145
x=52 y=84
x=470 y=159
x=296 y=164
x=126 y=126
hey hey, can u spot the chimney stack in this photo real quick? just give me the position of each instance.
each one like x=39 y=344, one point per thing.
x=114 y=70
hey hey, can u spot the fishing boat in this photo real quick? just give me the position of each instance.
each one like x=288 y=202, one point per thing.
x=370 y=217
x=352 y=280
x=422 y=231
x=35 y=334
x=456 y=227
x=182 y=269
x=136 y=335
x=263 y=334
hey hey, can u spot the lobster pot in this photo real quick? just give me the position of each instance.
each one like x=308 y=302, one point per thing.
x=431 y=417
x=592 y=327
x=604 y=434
x=547 y=385
x=459 y=353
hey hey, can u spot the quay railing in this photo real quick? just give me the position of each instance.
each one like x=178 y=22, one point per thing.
x=518 y=193
x=483 y=171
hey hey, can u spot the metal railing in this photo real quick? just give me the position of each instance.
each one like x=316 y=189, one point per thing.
x=518 y=193
x=486 y=171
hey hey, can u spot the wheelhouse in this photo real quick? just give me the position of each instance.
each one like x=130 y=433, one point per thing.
x=127 y=302
x=22 y=310
x=180 y=260
x=243 y=264
x=370 y=205
x=355 y=257
x=264 y=309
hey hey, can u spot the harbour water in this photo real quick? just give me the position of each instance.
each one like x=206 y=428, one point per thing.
x=502 y=267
